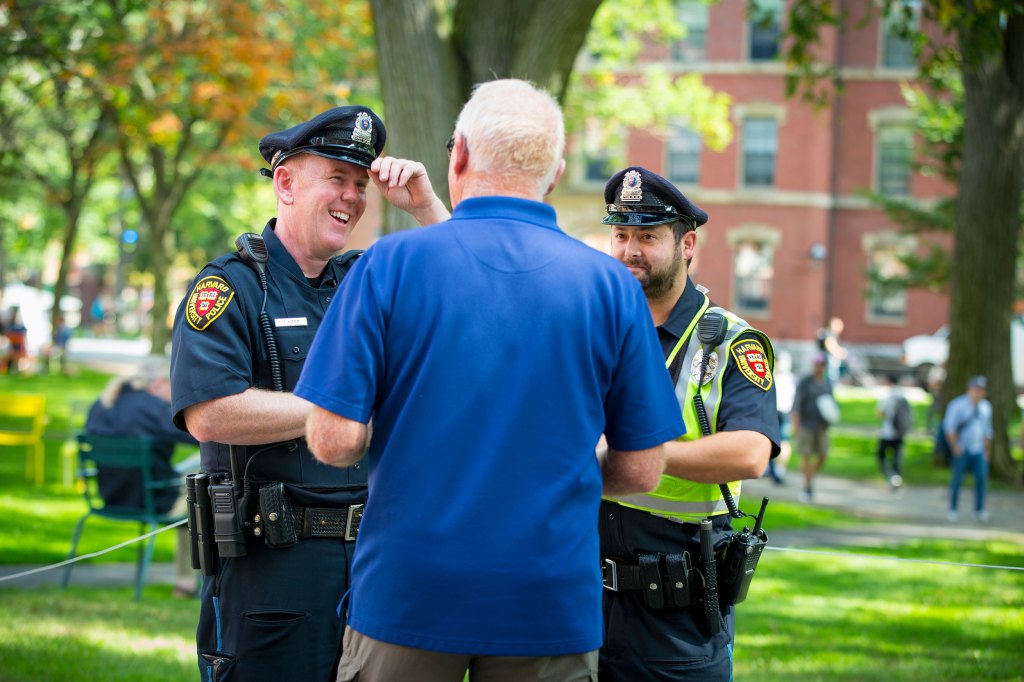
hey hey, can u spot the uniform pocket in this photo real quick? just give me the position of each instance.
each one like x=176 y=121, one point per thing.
x=275 y=630
x=216 y=666
x=292 y=347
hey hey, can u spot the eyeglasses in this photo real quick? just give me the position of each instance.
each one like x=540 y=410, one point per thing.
x=450 y=145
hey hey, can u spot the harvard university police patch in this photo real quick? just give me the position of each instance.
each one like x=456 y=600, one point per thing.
x=209 y=298
x=752 y=362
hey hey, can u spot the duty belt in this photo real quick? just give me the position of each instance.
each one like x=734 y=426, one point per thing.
x=663 y=579
x=328 y=522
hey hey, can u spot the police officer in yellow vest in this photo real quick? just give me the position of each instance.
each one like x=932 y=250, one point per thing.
x=656 y=627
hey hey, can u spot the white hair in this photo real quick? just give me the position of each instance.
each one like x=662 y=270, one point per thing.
x=151 y=368
x=511 y=127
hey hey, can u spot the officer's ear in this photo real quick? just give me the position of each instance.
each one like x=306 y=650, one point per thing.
x=285 y=176
x=689 y=245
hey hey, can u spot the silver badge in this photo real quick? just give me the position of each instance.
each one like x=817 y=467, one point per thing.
x=362 y=132
x=712 y=367
x=631 y=187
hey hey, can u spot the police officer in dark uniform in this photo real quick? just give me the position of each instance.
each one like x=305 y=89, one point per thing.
x=656 y=624
x=240 y=339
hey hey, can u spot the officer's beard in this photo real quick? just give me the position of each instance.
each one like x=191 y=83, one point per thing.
x=658 y=282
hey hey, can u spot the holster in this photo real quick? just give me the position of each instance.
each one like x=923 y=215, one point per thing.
x=276 y=512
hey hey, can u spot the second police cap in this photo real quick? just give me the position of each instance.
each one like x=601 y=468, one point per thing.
x=354 y=134
x=637 y=196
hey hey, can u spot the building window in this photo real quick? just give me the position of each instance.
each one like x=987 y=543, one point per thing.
x=601 y=150
x=692 y=48
x=752 y=276
x=683 y=149
x=760 y=144
x=765 y=29
x=902 y=19
x=895 y=145
x=887 y=297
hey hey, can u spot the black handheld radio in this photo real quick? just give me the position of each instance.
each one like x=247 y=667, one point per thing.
x=739 y=559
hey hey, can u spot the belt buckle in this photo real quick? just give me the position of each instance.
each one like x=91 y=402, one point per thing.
x=610 y=575
x=355 y=515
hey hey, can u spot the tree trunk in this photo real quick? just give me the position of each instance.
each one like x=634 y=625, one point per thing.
x=988 y=219
x=72 y=211
x=427 y=74
x=421 y=91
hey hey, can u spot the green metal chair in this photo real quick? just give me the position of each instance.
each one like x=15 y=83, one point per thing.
x=99 y=455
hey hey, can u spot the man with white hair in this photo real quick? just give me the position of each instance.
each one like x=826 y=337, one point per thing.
x=139 y=405
x=491 y=351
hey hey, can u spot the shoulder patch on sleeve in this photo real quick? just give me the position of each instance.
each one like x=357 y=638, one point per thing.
x=752 y=362
x=209 y=298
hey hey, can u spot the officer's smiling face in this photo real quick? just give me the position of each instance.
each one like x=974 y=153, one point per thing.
x=329 y=199
x=651 y=253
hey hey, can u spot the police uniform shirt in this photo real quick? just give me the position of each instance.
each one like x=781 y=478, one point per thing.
x=219 y=350
x=745 y=406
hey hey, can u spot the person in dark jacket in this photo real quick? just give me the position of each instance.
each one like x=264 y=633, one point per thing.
x=140 y=405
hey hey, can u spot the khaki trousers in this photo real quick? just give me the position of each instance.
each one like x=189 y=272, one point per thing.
x=370 y=660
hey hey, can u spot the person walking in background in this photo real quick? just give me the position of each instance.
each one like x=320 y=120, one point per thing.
x=968 y=428
x=835 y=353
x=59 y=347
x=490 y=351
x=894 y=410
x=814 y=409
x=139 y=405
x=785 y=392
x=935 y=379
x=17 y=342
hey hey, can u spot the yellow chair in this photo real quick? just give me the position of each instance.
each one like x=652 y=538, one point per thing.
x=22 y=421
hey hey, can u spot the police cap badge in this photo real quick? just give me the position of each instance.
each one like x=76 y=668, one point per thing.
x=637 y=196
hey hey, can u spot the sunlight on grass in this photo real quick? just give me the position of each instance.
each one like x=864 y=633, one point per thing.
x=818 y=617
x=96 y=635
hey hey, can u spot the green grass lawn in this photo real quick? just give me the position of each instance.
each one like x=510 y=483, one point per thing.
x=808 y=617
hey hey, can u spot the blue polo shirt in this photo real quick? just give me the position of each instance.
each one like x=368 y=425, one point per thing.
x=491 y=352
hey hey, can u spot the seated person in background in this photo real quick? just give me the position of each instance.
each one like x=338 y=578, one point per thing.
x=140 y=406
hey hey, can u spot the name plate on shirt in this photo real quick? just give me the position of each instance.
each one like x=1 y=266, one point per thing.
x=290 y=322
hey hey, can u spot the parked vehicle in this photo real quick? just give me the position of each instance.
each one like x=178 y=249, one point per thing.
x=923 y=352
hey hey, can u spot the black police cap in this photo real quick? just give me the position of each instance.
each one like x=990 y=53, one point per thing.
x=637 y=196
x=354 y=134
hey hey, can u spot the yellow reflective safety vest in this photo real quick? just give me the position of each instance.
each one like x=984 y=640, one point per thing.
x=678 y=498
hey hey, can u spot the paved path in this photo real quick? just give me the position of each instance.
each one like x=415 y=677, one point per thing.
x=909 y=513
x=88 y=573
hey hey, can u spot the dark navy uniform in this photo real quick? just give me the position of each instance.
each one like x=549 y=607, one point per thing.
x=273 y=614
x=671 y=642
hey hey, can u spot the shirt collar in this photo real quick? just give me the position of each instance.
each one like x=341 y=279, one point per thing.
x=507 y=208
x=280 y=257
x=683 y=311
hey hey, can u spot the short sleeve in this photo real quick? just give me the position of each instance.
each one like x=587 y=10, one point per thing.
x=641 y=409
x=211 y=344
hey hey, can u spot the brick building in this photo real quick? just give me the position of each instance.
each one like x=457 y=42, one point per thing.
x=791 y=236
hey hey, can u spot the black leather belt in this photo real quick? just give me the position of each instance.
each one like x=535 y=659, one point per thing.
x=328 y=522
x=663 y=579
